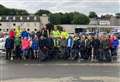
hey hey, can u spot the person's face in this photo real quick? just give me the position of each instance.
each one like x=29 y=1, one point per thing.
x=55 y=28
x=89 y=37
x=41 y=37
x=95 y=37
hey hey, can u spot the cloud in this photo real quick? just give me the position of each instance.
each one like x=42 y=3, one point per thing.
x=84 y=6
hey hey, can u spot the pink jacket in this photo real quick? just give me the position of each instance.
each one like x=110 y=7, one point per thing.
x=25 y=44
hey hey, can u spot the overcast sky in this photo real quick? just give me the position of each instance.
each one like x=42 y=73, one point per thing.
x=83 y=6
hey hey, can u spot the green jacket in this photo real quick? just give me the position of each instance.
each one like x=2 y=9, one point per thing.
x=105 y=44
x=17 y=41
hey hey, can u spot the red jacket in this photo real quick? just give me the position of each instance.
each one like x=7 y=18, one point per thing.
x=12 y=34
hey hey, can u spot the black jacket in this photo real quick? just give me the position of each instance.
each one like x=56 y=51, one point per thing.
x=96 y=43
x=42 y=43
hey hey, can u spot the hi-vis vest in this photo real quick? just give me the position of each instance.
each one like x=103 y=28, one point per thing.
x=64 y=35
x=18 y=32
x=56 y=34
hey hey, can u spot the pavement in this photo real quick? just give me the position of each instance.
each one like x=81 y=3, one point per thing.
x=59 y=71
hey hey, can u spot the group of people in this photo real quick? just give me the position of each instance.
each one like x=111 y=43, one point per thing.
x=46 y=45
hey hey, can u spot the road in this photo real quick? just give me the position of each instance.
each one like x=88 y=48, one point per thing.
x=59 y=72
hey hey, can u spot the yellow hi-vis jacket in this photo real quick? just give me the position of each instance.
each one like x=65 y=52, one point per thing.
x=64 y=35
x=56 y=34
x=18 y=32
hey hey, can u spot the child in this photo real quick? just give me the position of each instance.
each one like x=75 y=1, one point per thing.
x=35 y=46
x=25 y=47
x=17 y=43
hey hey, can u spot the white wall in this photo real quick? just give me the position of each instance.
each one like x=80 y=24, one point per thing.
x=30 y=25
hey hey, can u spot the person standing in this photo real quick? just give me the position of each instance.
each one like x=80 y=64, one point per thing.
x=35 y=47
x=69 y=45
x=9 y=46
x=12 y=34
x=25 y=43
x=115 y=44
x=56 y=37
x=17 y=46
x=64 y=34
x=88 y=44
x=18 y=31
x=45 y=32
x=82 y=47
x=105 y=45
x=95 y=46
x=25 y=34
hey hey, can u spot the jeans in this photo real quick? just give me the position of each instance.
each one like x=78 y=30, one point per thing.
x=25 y=52
x=8 y=54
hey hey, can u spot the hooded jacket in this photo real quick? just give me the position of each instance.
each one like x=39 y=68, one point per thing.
x=25 y=44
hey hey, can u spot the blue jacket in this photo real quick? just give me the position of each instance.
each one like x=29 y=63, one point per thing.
x=25 y=34
x=35 y=44
x=71 y=42
x=115 y=43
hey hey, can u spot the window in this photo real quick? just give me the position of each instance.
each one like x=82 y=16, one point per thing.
x=0 y=24
x=21 y=18
x=0 y=29
x=7 y=18
x=14 y=18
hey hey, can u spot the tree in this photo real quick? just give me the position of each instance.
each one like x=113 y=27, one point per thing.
x=40 y=12
x=60 y=28
x=79 y=18
x=7 y=11
x=56 y=18
x=69 y=18
x=92 y=14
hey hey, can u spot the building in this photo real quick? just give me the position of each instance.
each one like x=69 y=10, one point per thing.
x=114 y=21
x=95 y=25
x=29 y=22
